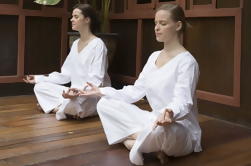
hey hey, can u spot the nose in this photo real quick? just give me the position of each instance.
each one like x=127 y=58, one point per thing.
x=71 y=19
x=156 y=28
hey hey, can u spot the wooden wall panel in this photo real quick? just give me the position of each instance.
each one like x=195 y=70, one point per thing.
x=216 y=33
x=143 y=1
x=202 y=2
x=166 y=0
x=29 y=4
x=228 y=3
x=118 y=6
x=8 y=45
x=8 y=1
x=42 y=46
x=125 y=61
x=149 y=43
x=211 y=41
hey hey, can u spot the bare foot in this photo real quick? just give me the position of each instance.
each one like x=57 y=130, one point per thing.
x=133 y=136
x=162 y=157
x=129 y=143
x=55 y=110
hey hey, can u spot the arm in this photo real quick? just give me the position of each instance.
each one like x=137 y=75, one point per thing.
x=184 y=90
x=98 y=65
x=130 y=93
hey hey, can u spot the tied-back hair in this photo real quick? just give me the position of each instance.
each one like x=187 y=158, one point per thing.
x=88 y=11
x=177 y=14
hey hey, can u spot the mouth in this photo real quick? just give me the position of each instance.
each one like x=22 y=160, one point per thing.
x=157 y=34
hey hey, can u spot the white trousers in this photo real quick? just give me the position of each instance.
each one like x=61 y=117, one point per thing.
x=49 y=96
x=121 y=119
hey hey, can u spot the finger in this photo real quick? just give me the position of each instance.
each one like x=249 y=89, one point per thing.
x=75 y=90
x=81 y=91
x=83 y=94
x=25 y=80
x=90 y=84
x=85 y=87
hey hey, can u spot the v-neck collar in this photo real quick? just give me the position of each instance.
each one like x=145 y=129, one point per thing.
x=172 y=59
x=86 y=45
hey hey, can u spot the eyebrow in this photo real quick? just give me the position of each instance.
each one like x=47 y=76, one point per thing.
x=160 y=20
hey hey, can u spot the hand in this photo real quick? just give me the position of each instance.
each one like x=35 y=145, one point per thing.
x=30 y=79
x=94 y=91
x=71 y=93
x=164 y=119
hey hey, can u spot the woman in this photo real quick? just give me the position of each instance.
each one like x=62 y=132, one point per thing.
x=87 y=61
x=168 y=80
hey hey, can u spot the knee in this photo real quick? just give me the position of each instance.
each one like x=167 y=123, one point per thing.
x=40 y=87
x=37 y=87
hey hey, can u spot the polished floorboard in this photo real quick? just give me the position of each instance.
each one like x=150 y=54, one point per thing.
x=28 y=137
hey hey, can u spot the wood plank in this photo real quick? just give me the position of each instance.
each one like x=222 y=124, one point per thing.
x=28 y=137
x=17 y=133
x=113 y=156
x=17 y=99
x=47 y=146
x=50 y=137
x=57 y=154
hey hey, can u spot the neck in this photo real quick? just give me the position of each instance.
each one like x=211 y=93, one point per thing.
x=85 y=34
x=172 y=45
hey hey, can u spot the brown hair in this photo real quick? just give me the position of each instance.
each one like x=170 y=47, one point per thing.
x=88 y=11
x=177 y=14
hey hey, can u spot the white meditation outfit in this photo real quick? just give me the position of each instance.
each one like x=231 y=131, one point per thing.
x=88 y=65
x=171 y=86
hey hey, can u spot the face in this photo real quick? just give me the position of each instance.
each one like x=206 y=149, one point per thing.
x=78 y=20
x=165 y=27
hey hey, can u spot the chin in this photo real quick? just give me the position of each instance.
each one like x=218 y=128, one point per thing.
x=159 y=39
x=74 y=29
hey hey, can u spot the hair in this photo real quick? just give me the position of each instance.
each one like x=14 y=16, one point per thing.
x=88 y=11
x=177 y=14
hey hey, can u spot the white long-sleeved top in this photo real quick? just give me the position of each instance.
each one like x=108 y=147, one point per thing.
x=88 y=65
x=171 y=86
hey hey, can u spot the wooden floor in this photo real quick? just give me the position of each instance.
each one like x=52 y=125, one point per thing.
x=28 y=137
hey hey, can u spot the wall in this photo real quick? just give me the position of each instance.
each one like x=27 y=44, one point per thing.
x=218 y=39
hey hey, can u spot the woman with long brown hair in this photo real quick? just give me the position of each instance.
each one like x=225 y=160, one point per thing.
x=86 y=62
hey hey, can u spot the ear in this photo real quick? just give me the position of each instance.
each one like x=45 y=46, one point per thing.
x=87 y=20
x=178 y=26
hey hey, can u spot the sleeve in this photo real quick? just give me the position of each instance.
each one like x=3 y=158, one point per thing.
x=184 y=90
x=62 y=77
x=130 y=93
x=98 y=65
